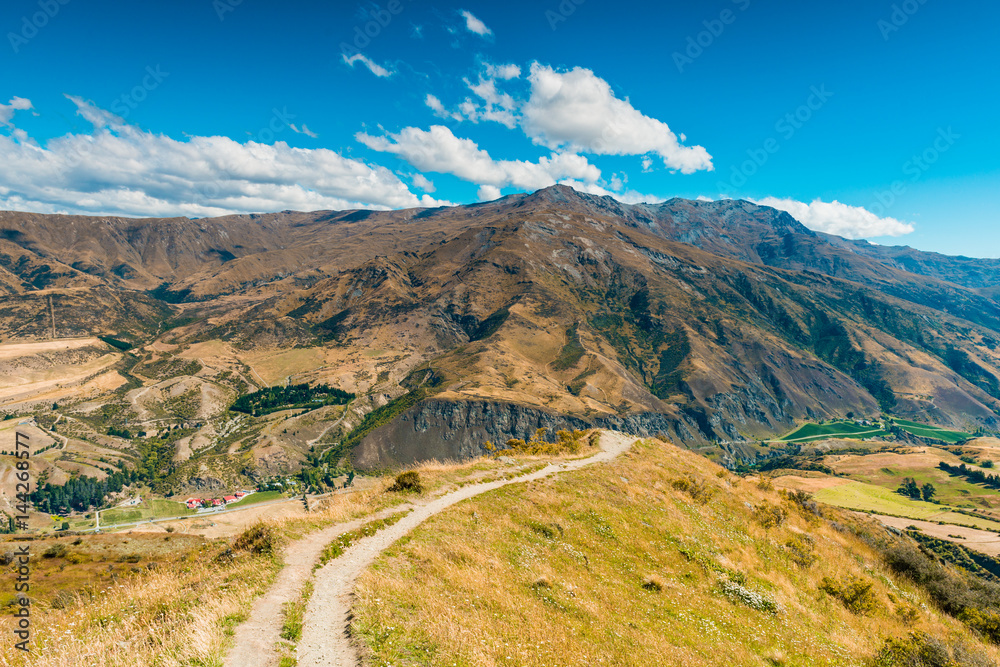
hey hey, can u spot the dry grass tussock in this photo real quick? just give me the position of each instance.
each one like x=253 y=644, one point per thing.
x=659 y=557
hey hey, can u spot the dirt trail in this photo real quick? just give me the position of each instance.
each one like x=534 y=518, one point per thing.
x=257 y=636
x=325 y=639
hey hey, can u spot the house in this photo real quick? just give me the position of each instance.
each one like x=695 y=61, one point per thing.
x=230 y=499
x=193 y=503
x=239 y=495
x=216 y=502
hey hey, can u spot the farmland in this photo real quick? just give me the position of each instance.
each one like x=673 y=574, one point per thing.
x=835 y=429
x=150 y=509
x=936 y=432
x=862 y=497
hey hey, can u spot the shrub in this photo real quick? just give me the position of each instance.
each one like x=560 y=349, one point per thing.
x=407 y=481
x=653 y=584
x=130 y=558
x=985 y=623
x=769 y=516
x=922 y=650
x=57 y=550
x=260 y=539
x=855 y=593
x=800 y=551
x=700 y=491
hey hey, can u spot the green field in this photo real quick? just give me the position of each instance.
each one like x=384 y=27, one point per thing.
x=254 y=498
x=868 y=498
x=150 y=509
x=836 y=429
x=936 y=432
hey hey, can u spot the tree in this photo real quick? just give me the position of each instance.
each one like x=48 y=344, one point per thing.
x=909 y=488
x=927 y=491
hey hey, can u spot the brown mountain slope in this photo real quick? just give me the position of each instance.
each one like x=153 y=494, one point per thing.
x=711 y=321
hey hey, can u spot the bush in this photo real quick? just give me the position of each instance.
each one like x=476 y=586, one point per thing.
x=259 y=539
x=854 y=592
x=76 y=558
x=700 y=491
x=800 y=551
x=653 y=583
x=407 y=481
x=57 y=550
x=769 y=516
x=922 y=650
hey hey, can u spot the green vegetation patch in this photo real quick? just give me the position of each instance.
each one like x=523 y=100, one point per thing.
x=259 y=497
x=878 y=500
x=571 y=352
x=935 y=432
x=292 y=397
x=835 y=429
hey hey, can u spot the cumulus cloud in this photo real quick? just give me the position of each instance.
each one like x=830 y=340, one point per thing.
x=578 y=111
x=474 y=25
x=503 y=72
x=439 y=150
x=853 y=222
x=496 y=106
x=488 y=193
x=373 y=67
x=120 y=169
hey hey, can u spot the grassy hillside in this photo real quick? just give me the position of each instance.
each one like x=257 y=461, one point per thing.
x=660 y=557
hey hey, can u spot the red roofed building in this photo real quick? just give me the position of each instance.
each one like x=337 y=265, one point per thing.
x=230 y=499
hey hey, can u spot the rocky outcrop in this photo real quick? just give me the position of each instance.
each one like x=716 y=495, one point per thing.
x=441 y=430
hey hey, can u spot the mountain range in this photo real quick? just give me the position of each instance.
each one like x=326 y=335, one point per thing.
x=716 y=323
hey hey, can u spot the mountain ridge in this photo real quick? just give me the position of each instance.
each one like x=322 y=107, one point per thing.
x=731 y=320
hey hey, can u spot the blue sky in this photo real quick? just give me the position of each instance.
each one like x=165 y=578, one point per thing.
x=869 y=119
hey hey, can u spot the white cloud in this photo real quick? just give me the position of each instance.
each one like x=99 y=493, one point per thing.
x=497 y=106
x=7 y=110
x=489 y=193
x=303 y=130
x=422 y=182
x=853 y=222
x=474 y=25
x=503 y=72
x=578 y=111
x=119 y=169
x=439 y=150
x=374 y=67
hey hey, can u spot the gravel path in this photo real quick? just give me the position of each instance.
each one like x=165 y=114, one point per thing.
x=325 y=636
x=257 y=636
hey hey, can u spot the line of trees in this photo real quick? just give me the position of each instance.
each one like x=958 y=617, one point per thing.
x=971 y=474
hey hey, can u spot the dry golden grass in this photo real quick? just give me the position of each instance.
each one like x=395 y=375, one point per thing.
x=179 y=614
x=614 y=565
